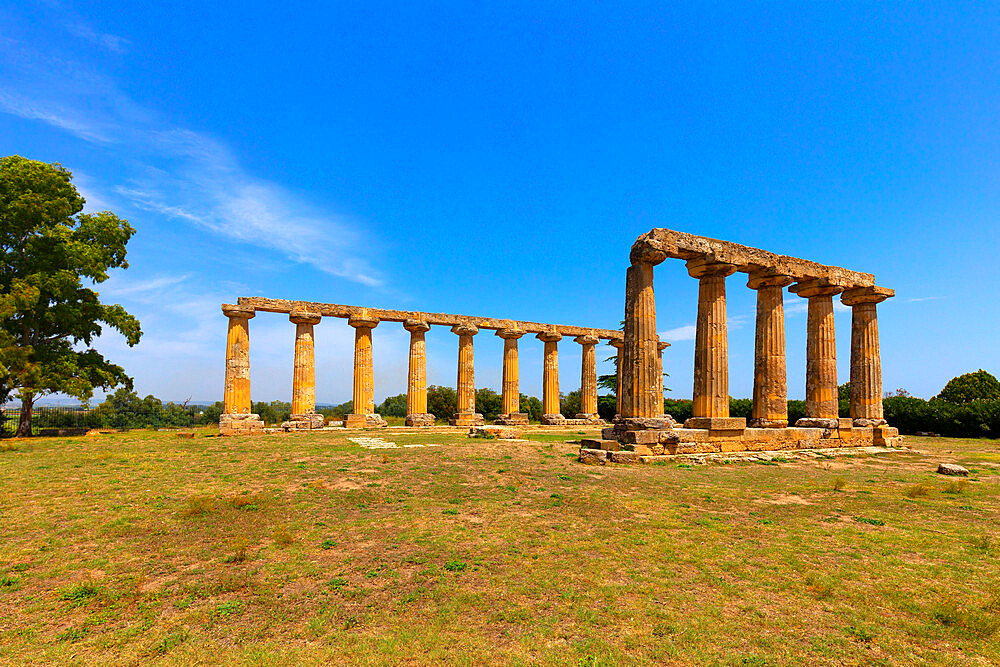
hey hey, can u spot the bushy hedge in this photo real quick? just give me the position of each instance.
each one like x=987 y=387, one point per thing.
x=977 y=419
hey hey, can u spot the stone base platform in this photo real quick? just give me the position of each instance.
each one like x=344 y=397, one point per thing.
x=303 y=422
x=467 y=419
x=579 y=420
x=422 y=419
x=240 y=424
x=682 y=441
x=373 y=420
x=513 y=419
x=603 y=457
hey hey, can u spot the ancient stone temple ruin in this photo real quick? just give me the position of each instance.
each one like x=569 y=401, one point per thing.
x=643 y=430
x=237 y=418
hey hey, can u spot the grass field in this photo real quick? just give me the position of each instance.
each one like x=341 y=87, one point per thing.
x=304 y=548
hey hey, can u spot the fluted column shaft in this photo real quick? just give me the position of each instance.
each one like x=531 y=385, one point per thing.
x=588 y=375
x=619 y=346
x=511 y=390
x=236 y=395
x=466 y=369
x=821 y=350
x=416 y=382
x=550 y=372
x=660 y=347
x=364 y=370
x=711 y=343
x=304 y=373
x=770 y=377
x=866 y=363
x=637 y=387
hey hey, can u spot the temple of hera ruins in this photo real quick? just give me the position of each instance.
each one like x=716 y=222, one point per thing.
x=643 y=430
x=237 y=418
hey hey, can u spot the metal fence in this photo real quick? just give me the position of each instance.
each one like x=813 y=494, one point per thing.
x=46 y=419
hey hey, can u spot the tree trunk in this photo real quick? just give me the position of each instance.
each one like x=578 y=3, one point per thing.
x=24 y=423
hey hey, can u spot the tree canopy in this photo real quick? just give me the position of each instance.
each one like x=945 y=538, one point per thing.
x=48 y=317
x=978 y=386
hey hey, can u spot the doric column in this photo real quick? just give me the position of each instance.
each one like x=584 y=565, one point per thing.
x=638 y=377
x=866 y=363
x=236 y=398
x=588 y=378
x=511 y=397
x=822 y=406
x=770 y=391
x=550 y=378
x=711 y=344
x=619 y=345
x=466 y=415
x=304 y=374
x=364 y=375
x=660 y=347
x=416 y=384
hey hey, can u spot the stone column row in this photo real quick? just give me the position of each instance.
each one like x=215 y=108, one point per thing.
x=640 y=377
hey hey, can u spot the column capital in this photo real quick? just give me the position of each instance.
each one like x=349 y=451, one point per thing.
x=587 y=339
x=416 y=326
x=873 y=294
x=465 y=329
x=815 y=287
x=767 y=278
x=510 y=334
x=231 y=310
x=304 y=317
x=359 y=322
x=549 y=336
x=704 y=267
x=617 y=343
x=662 y=345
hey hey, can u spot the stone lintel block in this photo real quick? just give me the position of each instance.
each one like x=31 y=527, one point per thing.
x=513 y=419
x=553 y=420
x=817 y=422
x=717 y=423
x=767 y=423
x=467 y=419
x=593 y=457
x=623 y=457
x=419 y=419
x=869 y=422
x=365 y=421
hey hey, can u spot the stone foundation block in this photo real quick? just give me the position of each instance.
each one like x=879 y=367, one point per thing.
x=372 y=420
x=623 y=457
x=513 y=419
x=419 y=419
x=732 y=446
x=767 y=423
x=606 y=445
x=467 y=419
x=498 y=432
x=589 y=419
x=639 y=437
x=308 y=421
x=593 y=457
x=642 y=423
x=697 y=447
x=717 y=423
x=886 y=436
x=553 y=420
x=869 y=422
x=240 y=424
x=816 y=422
x=608 y=434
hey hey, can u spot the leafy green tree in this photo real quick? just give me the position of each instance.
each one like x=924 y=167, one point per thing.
x=488 y=403
x=393 y=406
x=48 y=247
x=274 y=412
x=210 y=413
x=978 y=386
x=531 y=406
x=569 y=404
x=442 y=402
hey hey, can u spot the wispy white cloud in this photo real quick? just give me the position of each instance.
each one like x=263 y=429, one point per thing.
x=113 y=43
x=685 y=332
x=923 y=298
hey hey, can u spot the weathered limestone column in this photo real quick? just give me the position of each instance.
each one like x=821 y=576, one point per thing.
x=364 y=375
x=550 y=378
x=416 y=385
x=660 y=347
x=304 y=375
x=637 y=386
x=710 y=407
x=866 y=363
x=237 y=418
x=770 y=379
x=822 y=406
x=466 y=415
x=511 y=396
x=619 y=345
x=588 y=379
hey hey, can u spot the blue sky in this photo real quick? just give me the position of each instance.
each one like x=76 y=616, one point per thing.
x=500 y=158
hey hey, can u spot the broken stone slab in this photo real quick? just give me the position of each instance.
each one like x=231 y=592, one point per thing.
x=498 y=432
x=421 y=419
x=606 y=445
x=593 y=457
x=952 y=469
x=624 y=457
x=372 y=420
x=553 y=420
x=869 y=422
x=816 y=422
x=643 y=423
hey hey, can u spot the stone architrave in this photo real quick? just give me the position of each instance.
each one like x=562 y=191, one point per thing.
x=588 y=378
x=866 y=363
x=304 y=373
x=550 y=378
x=364 y=375
x=619 y=345
x=822 y=405
x=511 y=393
x=770 y=378
x=638 y=370
x=466 y=414
x=237 y=418
x=416 y=385
x=710 y=402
